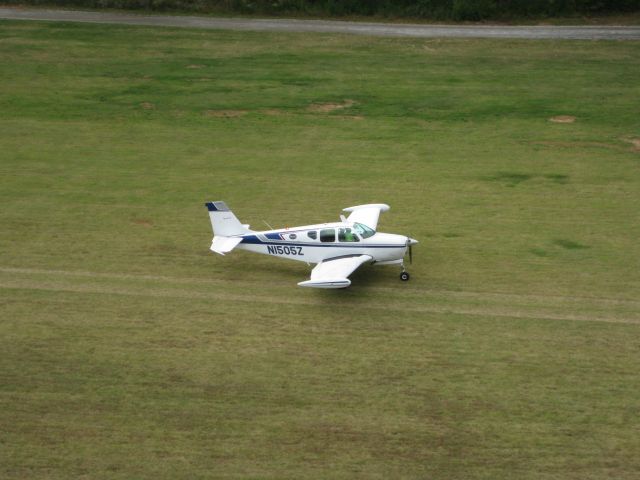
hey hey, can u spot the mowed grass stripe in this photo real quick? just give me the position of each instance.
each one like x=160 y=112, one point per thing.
x=404 y=289
x=459 y=303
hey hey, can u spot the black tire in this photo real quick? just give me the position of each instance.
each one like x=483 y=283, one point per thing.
x=404 y=276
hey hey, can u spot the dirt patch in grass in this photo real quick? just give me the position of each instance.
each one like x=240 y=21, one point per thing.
x=147 y=105
x=143 y=222
x=225 y=113
x=329 y=107
x=195 y=66
x=273 y=112
x=635 y=142
x=563 y=119
x=351 y=117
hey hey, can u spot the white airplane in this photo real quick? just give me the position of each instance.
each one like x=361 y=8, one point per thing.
x=337 y=248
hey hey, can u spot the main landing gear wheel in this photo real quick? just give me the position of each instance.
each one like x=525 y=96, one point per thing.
x=404 y=276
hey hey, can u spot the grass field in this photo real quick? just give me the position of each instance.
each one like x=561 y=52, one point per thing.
x=128 y=350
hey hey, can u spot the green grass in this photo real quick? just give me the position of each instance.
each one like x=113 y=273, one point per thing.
x=127 y=350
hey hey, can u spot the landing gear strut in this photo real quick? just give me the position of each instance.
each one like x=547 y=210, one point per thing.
x=404 y=276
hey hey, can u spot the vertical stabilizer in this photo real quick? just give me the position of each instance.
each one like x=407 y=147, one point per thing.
x=223 y=221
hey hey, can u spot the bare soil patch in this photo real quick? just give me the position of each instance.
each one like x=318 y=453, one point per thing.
x=351 y=117
x=329 y=107
x=274 y=112
x=144 y=222
x=225 y=113
x=195 y=66
x=635 y=142
x=563 y=119
x=147 y=105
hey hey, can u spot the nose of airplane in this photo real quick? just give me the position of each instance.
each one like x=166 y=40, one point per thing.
x=409 y=242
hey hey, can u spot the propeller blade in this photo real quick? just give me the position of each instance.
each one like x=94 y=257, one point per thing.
x=410 y=254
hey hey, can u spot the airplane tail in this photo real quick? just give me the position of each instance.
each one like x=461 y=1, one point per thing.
x=226 y=228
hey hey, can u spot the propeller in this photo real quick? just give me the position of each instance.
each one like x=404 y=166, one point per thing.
x=410 y=243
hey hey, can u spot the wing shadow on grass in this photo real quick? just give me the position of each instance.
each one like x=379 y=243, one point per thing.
x=361 y=291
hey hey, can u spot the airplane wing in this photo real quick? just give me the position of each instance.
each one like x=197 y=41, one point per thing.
x=333 y=273
x=367 y=214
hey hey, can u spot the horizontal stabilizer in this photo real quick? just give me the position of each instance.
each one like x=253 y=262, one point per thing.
x=224 y=245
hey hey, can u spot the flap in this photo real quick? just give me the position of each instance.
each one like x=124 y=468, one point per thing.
x=338 y=268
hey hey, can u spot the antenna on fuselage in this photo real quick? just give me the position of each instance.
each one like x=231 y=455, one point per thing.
x=343 y=219
x=265 y=222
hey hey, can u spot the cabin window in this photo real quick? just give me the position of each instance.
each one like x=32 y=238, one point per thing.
x=363 y=230
x=328 y=235
x=293 y=236
x=312 y=234
x=346 y=235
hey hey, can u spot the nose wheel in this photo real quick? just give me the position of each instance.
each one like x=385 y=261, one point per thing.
x=404 y=276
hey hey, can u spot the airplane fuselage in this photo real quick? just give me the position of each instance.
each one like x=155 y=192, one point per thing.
x=317 y=243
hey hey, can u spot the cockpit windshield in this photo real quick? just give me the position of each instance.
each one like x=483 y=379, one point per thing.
x=363 y=230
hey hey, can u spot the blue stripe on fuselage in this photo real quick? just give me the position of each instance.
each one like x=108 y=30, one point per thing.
x=254 y=240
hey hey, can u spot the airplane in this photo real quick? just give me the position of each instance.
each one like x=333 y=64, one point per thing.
x=336 y=248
